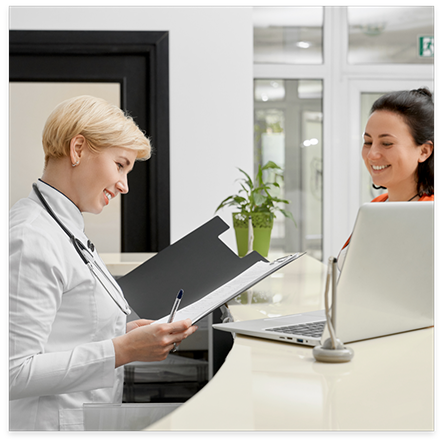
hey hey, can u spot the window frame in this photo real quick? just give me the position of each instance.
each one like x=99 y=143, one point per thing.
x=341 y=159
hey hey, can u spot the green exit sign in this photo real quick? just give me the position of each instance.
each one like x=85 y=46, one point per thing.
x=426 y=46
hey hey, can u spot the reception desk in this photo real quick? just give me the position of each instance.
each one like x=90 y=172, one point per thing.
x=271 y=386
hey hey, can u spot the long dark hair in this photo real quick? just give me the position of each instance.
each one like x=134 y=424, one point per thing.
x=417 y=109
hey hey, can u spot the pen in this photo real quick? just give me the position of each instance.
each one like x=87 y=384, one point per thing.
x=175 y=305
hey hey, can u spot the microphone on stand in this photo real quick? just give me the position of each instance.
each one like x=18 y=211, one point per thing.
x=332 y=350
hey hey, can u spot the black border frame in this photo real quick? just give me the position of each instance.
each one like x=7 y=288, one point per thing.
x=139 y=61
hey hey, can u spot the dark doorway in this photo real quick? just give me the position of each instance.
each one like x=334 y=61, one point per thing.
x=139 y=62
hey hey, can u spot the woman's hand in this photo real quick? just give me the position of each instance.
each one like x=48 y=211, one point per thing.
x=145 y=341
x=137 y=323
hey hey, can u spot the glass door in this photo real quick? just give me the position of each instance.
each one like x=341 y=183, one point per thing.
x=288 y=130
x=352 y=55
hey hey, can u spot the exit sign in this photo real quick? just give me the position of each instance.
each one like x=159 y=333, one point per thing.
x=426 y=46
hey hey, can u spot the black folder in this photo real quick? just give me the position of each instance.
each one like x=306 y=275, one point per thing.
x=199 y=263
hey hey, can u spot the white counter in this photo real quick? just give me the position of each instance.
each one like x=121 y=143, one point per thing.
x=272 y=386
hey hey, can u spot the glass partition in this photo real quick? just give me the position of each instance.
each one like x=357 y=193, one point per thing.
x=391 y=35
x=290 y=35
x=288 y=130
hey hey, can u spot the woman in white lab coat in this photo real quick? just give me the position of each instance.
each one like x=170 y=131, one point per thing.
x=69 y=338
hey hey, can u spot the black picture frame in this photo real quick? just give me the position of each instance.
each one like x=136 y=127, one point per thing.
x=139 y=62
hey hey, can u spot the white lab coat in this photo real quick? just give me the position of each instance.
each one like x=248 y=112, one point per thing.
x=61 y=321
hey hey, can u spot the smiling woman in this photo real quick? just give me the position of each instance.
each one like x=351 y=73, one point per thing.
x=398 y=148
x=100 y=142
x=100 y=123
x=68 y=336
x=92 y=135
x=98 y=177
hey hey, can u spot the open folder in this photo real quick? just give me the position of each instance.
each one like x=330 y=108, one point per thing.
x=208 y=271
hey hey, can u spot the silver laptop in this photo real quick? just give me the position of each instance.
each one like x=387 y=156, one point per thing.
x=386 y=285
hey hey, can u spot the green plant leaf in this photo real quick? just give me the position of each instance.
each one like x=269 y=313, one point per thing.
x=248 y=180
x=288 y=214
x=271 y=165
x=225 y=202
x=259 y=198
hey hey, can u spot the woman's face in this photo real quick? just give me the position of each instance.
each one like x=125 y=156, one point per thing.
x=390 y=153
x=101 y=177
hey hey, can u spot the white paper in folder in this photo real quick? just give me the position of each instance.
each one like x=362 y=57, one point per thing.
x=196 y=311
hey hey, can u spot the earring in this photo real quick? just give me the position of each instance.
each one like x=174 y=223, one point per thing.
x=75 y=164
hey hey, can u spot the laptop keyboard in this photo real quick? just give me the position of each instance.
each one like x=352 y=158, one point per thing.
x=313 y=329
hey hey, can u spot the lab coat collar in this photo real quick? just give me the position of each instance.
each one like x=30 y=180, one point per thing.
x=64 y=208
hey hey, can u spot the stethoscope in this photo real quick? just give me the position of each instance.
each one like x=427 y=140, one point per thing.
x=88 y=258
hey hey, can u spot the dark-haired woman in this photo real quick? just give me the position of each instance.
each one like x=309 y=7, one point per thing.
x=398 y=148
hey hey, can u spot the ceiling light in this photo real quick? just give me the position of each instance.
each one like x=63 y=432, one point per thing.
x=303 y=45
x=311 y=142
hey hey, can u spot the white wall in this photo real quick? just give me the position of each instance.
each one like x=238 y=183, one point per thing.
x=211 y=86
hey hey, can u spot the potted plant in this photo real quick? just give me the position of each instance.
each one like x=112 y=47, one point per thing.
x=256 y=204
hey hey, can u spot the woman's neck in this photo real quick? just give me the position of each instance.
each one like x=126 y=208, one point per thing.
x=403 y=195
x=403 y=190
x=57 y=174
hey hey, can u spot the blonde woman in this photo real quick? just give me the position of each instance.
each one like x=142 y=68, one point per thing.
x=69 y=338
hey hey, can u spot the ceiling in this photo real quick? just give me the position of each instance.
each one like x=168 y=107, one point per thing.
x=376 y=34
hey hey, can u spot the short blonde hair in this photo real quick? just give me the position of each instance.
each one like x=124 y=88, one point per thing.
x=102 y=124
